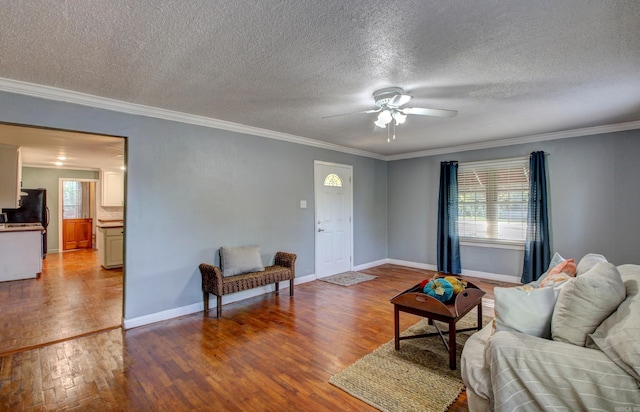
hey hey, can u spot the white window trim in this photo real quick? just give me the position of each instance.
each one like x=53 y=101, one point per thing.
x=492 y=243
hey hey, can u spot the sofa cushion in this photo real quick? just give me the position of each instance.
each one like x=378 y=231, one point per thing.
x=619 y=335
x=533 y=374
x=525 y=309
x=588 y=261
x=475 y=372
x=584 y=302
x=242 y=259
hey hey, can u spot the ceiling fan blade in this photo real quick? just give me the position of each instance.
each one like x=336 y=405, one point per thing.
x=346 y=114
x=423 y=111
x=399 y=99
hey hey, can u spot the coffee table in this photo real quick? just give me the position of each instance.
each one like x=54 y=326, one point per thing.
x=415 y=302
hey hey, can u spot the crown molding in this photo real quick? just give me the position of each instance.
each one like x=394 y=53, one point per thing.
x=83 y=99
x=587 y=131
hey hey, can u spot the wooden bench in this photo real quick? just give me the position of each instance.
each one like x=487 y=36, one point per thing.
x=215 y=283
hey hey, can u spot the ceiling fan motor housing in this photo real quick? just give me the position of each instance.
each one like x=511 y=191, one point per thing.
x=384 y=97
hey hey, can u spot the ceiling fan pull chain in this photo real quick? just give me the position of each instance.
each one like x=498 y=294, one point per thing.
x=394 y=129
x=388 y=133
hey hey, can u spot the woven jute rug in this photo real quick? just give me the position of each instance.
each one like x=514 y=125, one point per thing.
x=347 y=278
x=415 y=378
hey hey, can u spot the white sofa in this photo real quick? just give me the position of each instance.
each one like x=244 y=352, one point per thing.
x=506 y=370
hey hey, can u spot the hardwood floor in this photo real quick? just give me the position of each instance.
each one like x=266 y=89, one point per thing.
x=73 y=296
x=271 y=352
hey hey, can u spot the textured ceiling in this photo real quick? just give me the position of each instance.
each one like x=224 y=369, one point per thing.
x=511 y=69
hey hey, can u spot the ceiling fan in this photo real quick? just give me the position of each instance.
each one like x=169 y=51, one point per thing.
x=391 y=113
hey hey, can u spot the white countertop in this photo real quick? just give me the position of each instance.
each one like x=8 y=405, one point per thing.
x=110 y=223
x=20 y=228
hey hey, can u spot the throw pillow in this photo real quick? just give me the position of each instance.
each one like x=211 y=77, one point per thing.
x=554 y=280
x=242 y=259
x=559 y=273
x=525 y=309
x=588 y=261
x=566 y=266
x=555 y=260
x=584 y=302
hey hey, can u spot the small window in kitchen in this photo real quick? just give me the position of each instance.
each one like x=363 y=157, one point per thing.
x=75 y=199
x=333 y=180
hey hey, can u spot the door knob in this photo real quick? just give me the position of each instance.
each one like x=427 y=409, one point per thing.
x=320 y=230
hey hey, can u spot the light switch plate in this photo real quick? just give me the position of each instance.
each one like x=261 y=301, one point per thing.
x=303 y=204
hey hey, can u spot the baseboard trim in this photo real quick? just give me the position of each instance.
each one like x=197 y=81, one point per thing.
x=408 y=263
x=235 y=297
x=370 y=264
x=491 y=276
x=198 y=307
x=471 y=273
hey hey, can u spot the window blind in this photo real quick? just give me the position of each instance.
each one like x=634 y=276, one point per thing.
x=493 y=199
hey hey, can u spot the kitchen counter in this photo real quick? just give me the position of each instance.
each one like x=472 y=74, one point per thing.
x=4 y=228
x=110 y=223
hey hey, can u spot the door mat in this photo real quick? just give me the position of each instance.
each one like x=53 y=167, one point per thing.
x=347 y=278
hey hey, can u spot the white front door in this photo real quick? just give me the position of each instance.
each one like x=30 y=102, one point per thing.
x=333 y=206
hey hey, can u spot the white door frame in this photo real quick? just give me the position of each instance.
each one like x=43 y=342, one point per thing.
x=315 y=215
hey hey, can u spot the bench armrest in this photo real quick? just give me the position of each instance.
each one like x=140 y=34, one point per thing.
x=287 y=260
x=211 y=279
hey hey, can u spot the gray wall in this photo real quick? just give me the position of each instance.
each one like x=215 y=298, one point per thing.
x=192 y=189
x=36 y=178
x=594 y=196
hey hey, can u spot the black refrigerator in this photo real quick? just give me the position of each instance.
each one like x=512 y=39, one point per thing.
x=33 y=209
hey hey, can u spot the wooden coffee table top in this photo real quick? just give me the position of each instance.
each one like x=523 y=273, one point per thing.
x=414 y=300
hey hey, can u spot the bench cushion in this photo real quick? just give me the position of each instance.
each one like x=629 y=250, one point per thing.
x=270 y=274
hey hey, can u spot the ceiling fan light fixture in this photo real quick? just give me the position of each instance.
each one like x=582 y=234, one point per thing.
x=380 y=124
x=399 y=117
x=384 y=118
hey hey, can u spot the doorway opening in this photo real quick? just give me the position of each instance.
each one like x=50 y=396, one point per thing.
x=74 y=295
x=77 y=214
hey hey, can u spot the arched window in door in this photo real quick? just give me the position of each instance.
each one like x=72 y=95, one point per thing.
x=333 y=180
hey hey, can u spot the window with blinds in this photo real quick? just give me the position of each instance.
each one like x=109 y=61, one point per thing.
x=493 y=199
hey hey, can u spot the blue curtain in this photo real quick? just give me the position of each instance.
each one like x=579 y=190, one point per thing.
x=448 y=241
x=537 y=249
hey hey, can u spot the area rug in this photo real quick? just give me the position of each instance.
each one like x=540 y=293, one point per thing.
x=415 y=378
x=347 y=278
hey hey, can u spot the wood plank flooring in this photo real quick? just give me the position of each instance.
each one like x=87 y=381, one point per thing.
x=267 y=353
x=73 y=296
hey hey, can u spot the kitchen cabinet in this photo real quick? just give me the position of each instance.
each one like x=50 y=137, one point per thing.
x=112 y=188
x=20 y=253
x=10 y=175
x=111 y=247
